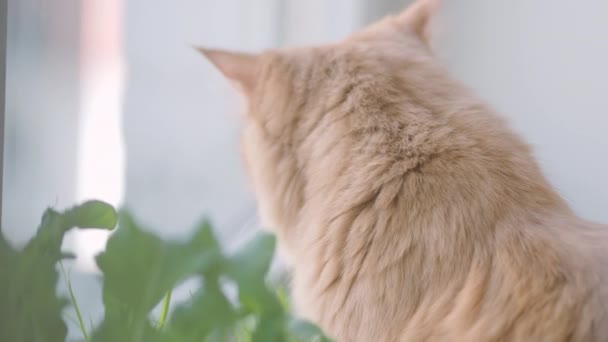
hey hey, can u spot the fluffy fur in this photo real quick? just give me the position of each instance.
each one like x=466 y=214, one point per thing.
x=409 y=210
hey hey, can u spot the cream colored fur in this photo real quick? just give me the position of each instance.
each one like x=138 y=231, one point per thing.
x=409 y=210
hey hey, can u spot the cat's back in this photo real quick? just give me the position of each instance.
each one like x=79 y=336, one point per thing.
x=564 y=281
x=547 y=281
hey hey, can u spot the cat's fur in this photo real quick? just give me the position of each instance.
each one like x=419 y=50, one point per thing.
x=410 y=211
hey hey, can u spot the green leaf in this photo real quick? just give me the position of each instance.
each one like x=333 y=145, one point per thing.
x=253 y=260
x=248 y=267
x=92 y=214
x=306 y=331
x=30 y=310
x=6 y=251
x=270 y=329
x=116 y=329
x=139 y=269
x=209 y=315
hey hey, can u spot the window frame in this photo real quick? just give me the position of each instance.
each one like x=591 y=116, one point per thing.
x=3 y=38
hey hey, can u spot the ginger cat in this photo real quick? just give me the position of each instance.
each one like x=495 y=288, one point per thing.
x=409 y=209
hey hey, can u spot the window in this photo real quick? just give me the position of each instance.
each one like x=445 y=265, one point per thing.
x=107 y=99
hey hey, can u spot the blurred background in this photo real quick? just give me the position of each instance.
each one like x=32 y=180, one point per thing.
x=107 y=99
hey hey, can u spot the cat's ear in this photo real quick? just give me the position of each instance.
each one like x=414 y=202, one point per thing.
x=417 y=17
x=240 y=68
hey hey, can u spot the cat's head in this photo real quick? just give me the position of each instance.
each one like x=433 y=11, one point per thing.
x=287 y=92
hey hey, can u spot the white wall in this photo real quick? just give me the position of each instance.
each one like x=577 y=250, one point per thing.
x=544 y=65
x=319 y=21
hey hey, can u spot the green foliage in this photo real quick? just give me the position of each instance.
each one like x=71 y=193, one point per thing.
x=140 y=270
x=29 y=307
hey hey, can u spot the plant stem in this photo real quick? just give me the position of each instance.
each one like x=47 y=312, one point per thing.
x=74 y=303
x=165 y=311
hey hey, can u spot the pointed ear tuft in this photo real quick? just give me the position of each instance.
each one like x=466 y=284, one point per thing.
x=239 y=68
x=418 y=16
